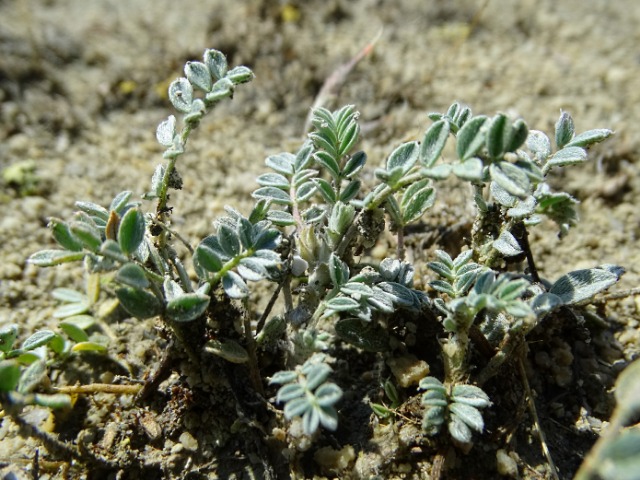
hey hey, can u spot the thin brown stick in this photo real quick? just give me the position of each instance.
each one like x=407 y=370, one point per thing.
x=338 y=77
x=99 y=388
x=536 y=420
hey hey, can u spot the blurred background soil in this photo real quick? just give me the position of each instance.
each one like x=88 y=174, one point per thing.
x=83 y=87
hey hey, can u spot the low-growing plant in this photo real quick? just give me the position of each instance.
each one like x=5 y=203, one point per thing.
x=314 y=219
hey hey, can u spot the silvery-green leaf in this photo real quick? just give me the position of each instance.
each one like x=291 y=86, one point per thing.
x=433 y=418
x=341 y=304
x=519 y=309
x=443 y=287
x=511 y=178
x=328 y=394
x=338 y=270
x=234 y=286
x=316 y=374
x=328 y=417
x=507 y=245
x=468 y=414
x=471 y=137
x=354 y=164
x=8 y=335
x=70 y=309
x=281 y=163
x=305 y=191
x=434 y=398
x=81 y=321
x=437 y=172
x=281 y=218
x=230 y=350
x=350 y=191
x=9 y=375
x=459 y=430
x=566 y=156
x=198 y=75
x=462 y=259
x=74 y=332
x=464 y=281
x=433 y=142
x=187 y=307
x=325 y=189
x=62 y=234
x=533 y=171
x=432 y=383
x=110 y=249
x=355 y=289
x=441 y=269
x=519 y=133
x=328 y=161
x=366 y=336
x=303 y=176
x=93 y=210
x=401 y=294
x=273 y=180
x=311 y=421
x=501 y=196
x=416 y=199
x=444 y=258
x=32 y=377
x=545 y=303
x=348 y=137
x=156 y=180
x=523 y=208
x=88 y=234
x=581 y=285
x=39 y=338
x=240 y=74
x=381 y=301
x=207 y=258
x=273 y=195
x=251 y=270
x=268 y=258
x=216 y=63
x=229 y=240
x=512 y=289
x=564 y=129
x=131 y=231
x=166 y=131
x=627 y=389
x=498 y=135
x=68 y=295
x=540 y=145
x=282 y=377
x=172 y=289
x=303 y=157
x=403 y=157
x=181 y=95
x=470 y=395
x=139 y=303
x=220 y=90
x=296 y=408
x=267 y=239
x=470 y=169
x=590 y=137
x=289 y=392
x=620 y=457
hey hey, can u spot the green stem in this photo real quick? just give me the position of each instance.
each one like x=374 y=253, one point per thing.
x=163 y=196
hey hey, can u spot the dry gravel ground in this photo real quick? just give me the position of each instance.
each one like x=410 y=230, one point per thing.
x=82 y=88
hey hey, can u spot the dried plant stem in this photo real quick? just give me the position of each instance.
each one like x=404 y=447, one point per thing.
x=100 y=388
x=534 y=414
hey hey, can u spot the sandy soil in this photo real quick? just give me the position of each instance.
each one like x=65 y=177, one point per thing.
x=82 y=88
